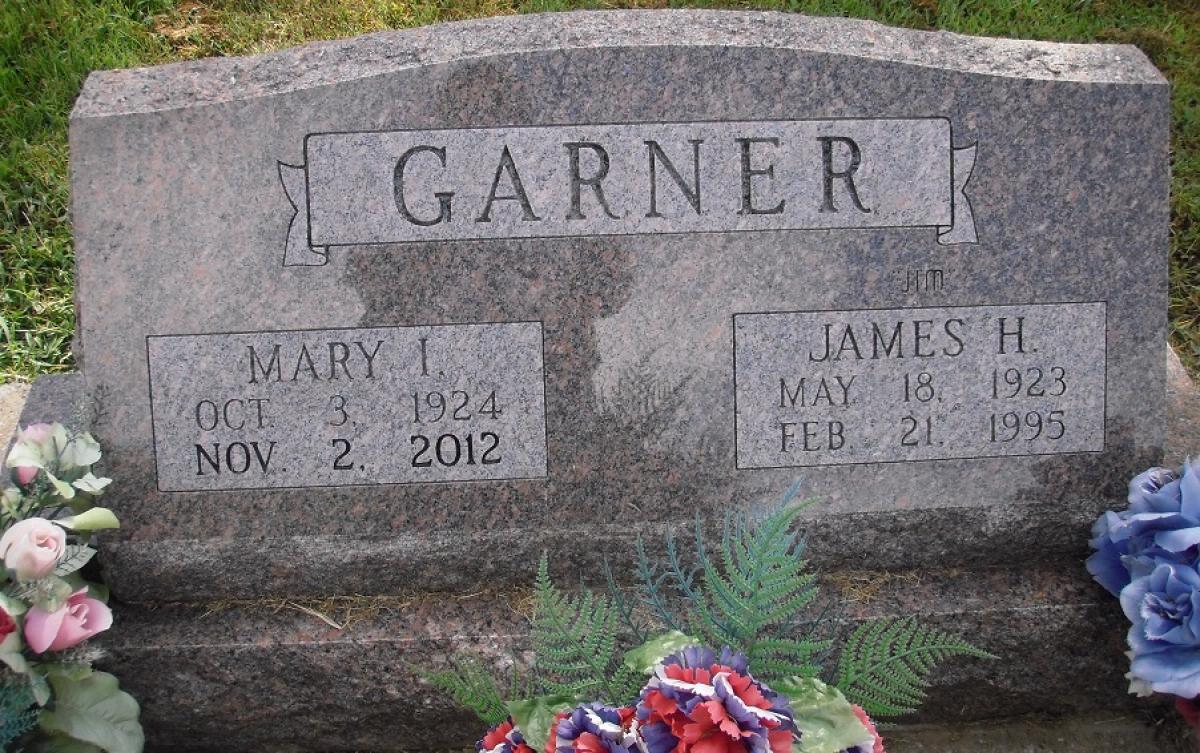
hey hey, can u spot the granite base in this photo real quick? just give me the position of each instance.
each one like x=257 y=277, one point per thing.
x=273 y=676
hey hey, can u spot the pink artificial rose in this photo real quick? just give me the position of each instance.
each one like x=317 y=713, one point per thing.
x=36 y=433
x=33 y=434
x=73 y=623
x=32 y=547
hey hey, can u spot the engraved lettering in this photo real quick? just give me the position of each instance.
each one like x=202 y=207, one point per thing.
x=329 y=407
x=443 y=197
x=507 y=167
x=1011 y=335
x=846 y=175
x=749 y=173
x=593 y=181
x=257 y=369
x=878 y=344
x=691 y=193
x=868 y=386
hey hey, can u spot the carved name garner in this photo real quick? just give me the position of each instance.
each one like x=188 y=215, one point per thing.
x=522 y=182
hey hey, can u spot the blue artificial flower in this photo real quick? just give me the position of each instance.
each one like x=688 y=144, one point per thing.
x=1162 y=524
x=1164 y=609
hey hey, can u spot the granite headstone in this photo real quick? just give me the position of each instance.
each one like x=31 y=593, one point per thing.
x=402 y=311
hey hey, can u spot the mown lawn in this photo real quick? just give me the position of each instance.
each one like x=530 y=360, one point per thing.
x=48 y=46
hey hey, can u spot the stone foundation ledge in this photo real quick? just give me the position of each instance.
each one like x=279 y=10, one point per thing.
x=344 y=673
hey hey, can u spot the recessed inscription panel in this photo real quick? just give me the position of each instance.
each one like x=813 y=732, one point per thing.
x=868 y=386
x=634 y=178
x=388 y=405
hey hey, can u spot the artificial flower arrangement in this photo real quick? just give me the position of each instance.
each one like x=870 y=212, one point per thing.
x=48 y=687
x=725 y=659
x=1148 y=556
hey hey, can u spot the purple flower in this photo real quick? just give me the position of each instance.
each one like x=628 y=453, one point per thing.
x=1164 y=609
x=1162 y=524
x=595 y=728
x=503 y=738
x=699 y=703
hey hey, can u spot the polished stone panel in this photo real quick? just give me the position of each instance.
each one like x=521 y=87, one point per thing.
x=905 y=385
x=347 y=407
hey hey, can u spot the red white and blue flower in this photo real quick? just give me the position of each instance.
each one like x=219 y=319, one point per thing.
x=699 y=703
x=595 y=728
x=503 y=738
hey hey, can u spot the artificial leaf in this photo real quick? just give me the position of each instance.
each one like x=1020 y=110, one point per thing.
x=12 y=643
x=645 y=657
x=25 y=454
x=18 y=712
x=98 y=591
x=824 y=715
x=15 y=661
x=90 y=483
x=535 y=716
x=13 y=606
x=95 y=710
x=70 y=671
x=64 y=490
x=81 y=503
x=64 y=744
x=74 y=557
x=40 y=688
x=78 y=451
x=95 y=519
x=750 y=594
x=59 y=438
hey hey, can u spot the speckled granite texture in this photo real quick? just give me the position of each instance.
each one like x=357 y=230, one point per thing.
x=181 y=219
x=238 y=676
x=186 y=179
x=166 y=87
x=280 y=679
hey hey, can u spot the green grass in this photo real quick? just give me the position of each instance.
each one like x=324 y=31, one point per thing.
x=48 y=46
x=46 y=49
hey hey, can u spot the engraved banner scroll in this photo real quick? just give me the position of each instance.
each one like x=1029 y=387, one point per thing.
x=382 y=187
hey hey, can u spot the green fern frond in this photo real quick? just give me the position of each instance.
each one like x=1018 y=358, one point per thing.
x=471 y=685
x=752 y=593
x=575 y=642
x=651 y=584
x=885 y=665
x=626 y=610
x=625 y=685
x=685 y=584
x=18 y=712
